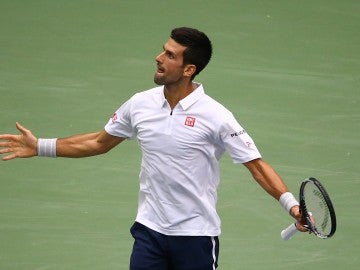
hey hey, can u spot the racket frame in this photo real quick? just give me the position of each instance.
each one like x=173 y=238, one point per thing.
x=291 y=230
x=307 y=215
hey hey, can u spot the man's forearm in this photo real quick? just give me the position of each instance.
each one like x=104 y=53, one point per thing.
x=77 y=146
x=266 y=176
x=85 y=145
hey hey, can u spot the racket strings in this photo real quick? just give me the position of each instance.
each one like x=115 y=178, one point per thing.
x=316 y=204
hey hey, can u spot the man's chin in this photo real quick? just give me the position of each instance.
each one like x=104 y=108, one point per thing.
x=158 y=80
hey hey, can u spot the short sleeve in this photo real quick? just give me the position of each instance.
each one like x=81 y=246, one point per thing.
x=120 y=123
x=237 y=142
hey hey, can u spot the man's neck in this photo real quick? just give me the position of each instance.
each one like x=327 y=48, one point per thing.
x=174 y=94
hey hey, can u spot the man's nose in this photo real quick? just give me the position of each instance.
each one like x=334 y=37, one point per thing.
x=159 y=57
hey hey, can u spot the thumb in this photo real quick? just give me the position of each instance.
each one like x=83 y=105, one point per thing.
x=22 y=129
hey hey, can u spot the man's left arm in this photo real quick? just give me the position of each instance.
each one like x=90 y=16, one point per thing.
x=270 y=181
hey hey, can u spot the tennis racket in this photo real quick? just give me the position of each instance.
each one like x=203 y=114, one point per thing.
x=316 y=209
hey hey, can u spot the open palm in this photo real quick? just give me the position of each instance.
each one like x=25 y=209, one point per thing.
x=18 y=146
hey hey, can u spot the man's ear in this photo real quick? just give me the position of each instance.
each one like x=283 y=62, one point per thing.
x=189 y=70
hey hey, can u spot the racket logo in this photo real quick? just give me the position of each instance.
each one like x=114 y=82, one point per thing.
x=325 y=222
x=317 y=193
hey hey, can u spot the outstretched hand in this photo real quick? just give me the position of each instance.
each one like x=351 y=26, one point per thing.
x=23 y=145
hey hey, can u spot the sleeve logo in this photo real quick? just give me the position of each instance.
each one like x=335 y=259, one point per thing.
x=238 y=133
x=114 y=117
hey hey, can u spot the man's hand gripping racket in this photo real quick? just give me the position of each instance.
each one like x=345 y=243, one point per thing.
x=317 y=211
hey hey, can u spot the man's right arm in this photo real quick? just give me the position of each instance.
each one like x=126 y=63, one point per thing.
x=86 y=145
x=25 y=145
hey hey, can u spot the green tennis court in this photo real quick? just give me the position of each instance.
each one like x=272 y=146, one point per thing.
x=289 y=71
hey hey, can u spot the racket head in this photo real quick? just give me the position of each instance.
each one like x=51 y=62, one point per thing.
x=317 y=208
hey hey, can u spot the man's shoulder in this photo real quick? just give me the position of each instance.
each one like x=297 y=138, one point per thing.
x=215 y=105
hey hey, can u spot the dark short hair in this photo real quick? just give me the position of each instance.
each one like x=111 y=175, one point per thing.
x=198 y=47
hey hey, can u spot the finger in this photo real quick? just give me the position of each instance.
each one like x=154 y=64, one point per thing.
x=301 y=227
x=6 y=136
x=22 y=129
x=5 y=144
x=5 y=151
x=9 y=157
x=295 y=212
x=8 y=140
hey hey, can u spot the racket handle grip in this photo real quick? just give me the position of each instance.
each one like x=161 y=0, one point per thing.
x=288 y=232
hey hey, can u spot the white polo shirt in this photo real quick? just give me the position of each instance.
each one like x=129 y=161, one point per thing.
x=180 y=158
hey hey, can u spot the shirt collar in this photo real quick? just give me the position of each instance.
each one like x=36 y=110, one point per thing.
x=194 y=96
x=190 y=99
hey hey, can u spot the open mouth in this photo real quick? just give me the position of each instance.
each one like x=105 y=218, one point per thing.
x=160 y=70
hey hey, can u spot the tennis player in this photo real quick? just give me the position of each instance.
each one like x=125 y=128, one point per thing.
x=182 y=133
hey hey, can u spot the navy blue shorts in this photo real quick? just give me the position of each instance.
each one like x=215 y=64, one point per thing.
x=156 y=251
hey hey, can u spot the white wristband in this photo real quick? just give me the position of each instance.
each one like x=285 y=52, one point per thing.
x=287 y=201
x=46 y=147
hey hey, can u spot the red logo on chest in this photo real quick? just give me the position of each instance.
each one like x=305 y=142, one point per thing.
x=190 y=121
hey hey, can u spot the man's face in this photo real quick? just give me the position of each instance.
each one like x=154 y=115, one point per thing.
x=170 y=67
